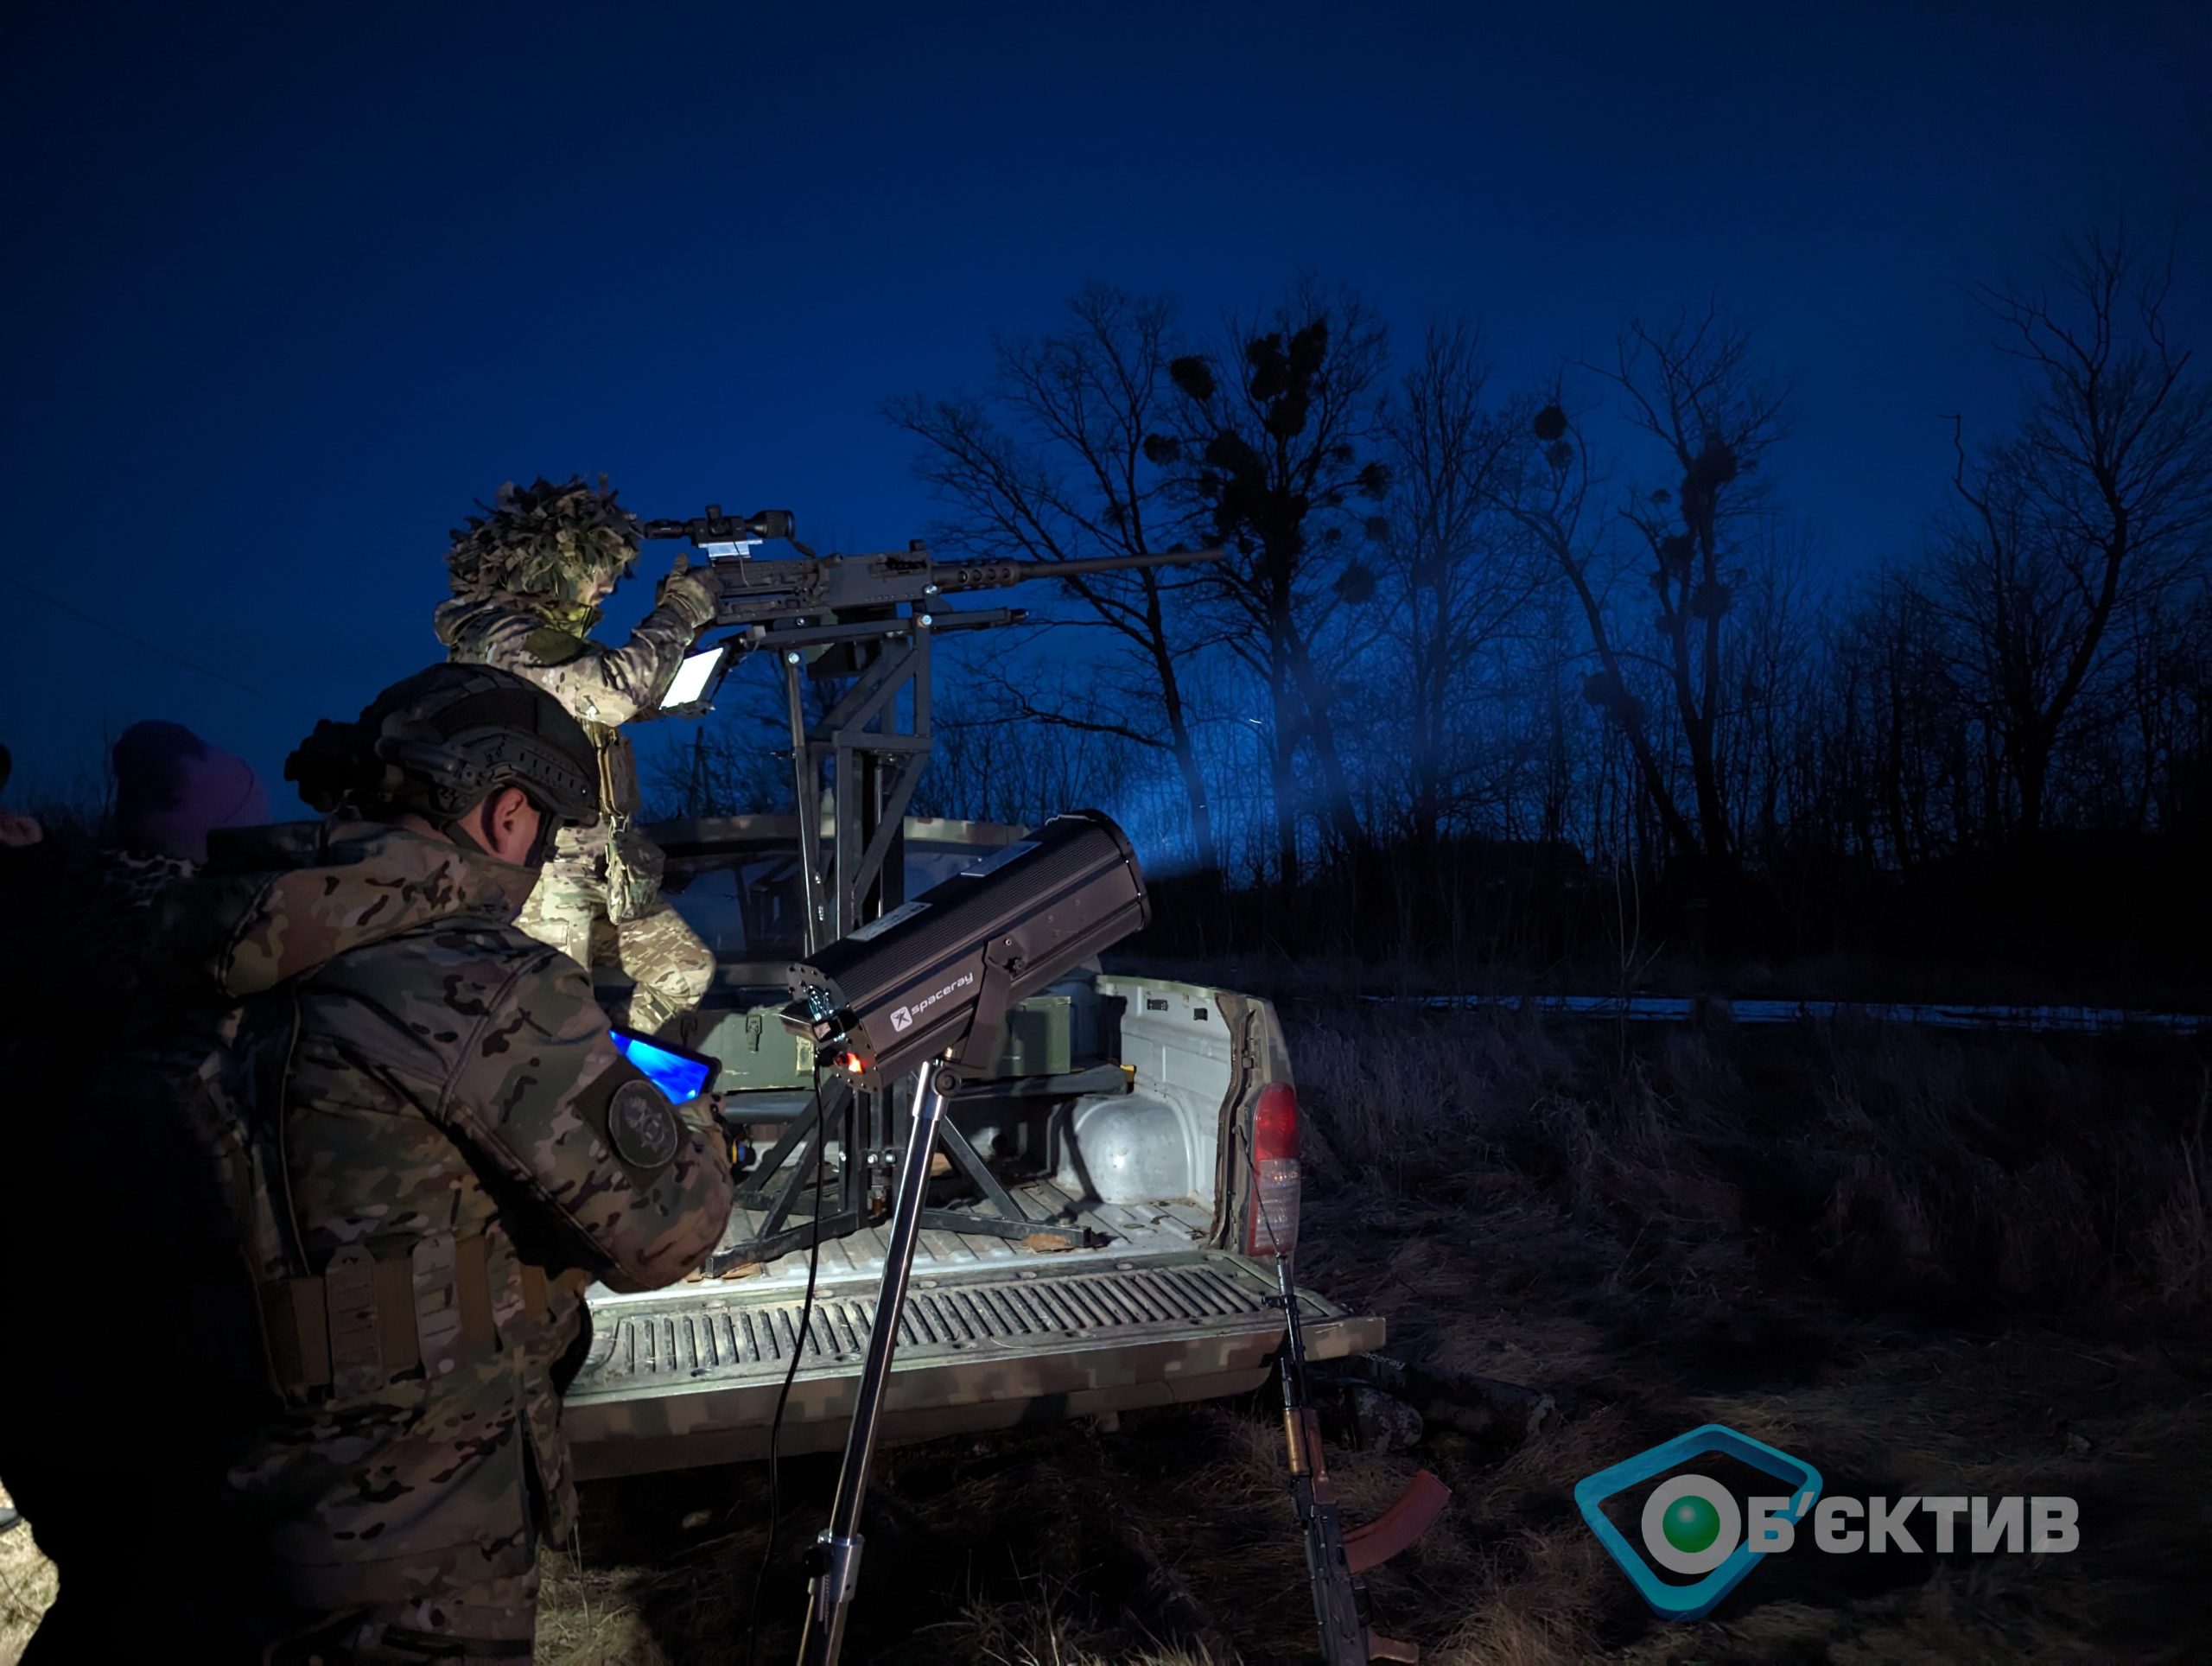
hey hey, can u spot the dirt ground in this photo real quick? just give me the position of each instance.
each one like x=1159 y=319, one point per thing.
x=1930 y=1265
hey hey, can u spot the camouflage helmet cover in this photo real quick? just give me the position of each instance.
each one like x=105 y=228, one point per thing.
x=544 y=540
x=441 y=741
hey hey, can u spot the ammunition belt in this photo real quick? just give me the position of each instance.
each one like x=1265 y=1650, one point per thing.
x=368 y=1320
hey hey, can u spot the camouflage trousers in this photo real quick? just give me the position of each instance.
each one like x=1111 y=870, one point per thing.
x=602 y=906
x=119 y=1608
x=496 y=1620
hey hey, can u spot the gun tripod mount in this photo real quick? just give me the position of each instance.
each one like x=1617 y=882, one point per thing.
x=930 y=985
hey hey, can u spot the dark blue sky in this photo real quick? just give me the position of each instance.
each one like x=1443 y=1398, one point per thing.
x=289 y=292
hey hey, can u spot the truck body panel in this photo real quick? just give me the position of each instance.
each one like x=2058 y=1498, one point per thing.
x=1157 y=1302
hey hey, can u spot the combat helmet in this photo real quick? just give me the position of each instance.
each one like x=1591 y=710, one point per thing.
x=440 y=742
x=553 y=543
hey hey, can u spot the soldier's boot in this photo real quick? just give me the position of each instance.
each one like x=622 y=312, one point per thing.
x=671 y=967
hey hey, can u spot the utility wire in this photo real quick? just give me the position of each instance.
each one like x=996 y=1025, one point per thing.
x=137 y=641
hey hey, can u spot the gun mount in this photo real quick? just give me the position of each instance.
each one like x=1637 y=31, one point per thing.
x=863 y=624
x=867 y=620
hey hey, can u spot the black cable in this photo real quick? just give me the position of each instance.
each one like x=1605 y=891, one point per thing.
x=791 y=1371
x=136 y=641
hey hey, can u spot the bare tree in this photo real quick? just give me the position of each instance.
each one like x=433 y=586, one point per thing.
x=2098 y=500
x=991 y=765
x=1545 y=483
x=1694 y=387
x=1899 y=758
x=1457 y=571
x=1054 y=464
x=1273 y=443
x=1765 y=687
x=2170 y=669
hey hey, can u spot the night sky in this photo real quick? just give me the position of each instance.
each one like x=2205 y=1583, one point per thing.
x=289 y=291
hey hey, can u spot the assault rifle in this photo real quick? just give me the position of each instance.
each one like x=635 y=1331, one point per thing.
x=1334 y=1558
x=754 y=594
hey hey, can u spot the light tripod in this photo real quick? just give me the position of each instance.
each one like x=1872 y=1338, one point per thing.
x=835 y=1559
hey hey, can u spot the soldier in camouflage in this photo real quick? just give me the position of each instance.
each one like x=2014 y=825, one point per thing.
x=458 y=1150
x=528 y=576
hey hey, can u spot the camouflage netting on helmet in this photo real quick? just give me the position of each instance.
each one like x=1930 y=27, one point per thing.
x=543 y=540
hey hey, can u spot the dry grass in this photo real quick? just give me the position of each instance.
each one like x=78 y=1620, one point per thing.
x=1932 y=1264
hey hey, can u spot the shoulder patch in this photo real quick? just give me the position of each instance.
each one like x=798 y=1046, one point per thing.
x=641 y=1126
x=632 y=1120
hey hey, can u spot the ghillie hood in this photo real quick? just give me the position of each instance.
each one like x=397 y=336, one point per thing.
x=551 y=544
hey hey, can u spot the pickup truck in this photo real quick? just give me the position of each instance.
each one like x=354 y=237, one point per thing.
x=1148 y=1128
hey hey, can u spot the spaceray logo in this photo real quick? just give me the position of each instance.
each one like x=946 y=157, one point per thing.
x=902 y=1018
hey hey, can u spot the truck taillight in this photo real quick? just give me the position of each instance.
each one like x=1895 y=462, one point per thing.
x=1273 y=1228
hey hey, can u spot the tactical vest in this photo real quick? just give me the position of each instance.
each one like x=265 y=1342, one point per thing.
x=351 y=1328
x=633 y=872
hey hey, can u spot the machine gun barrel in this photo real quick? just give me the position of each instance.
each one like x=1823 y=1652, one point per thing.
x=995 y=574
x=756 y=593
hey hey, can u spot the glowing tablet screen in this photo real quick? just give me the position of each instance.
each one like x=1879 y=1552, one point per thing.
x=692 y=678
x=682 y=1077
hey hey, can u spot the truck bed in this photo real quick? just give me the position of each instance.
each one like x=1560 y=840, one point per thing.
x=995 y=1333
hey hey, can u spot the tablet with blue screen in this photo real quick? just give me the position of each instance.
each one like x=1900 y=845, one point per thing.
x=681 y=1075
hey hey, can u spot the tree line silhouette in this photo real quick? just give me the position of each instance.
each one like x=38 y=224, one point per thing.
x=1488 y=662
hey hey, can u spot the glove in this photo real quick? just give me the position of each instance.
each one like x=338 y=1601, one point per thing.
x=690 y=588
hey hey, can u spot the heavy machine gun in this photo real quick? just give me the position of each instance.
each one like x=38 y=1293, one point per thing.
x=867 y=619
x=753 y=595
x=863 y=624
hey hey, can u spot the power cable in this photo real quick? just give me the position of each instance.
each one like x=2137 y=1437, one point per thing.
x=136 y=641
x=798 y=1348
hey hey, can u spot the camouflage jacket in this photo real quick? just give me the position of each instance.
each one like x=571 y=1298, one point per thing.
x=603 y=688
x=81 y=911
x=78 y=920
x=450 y=1091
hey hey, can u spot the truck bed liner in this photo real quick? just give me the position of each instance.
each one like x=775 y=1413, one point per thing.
x=1151 y=1229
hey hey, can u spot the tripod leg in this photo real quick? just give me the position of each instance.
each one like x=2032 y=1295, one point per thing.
x=836 y=1555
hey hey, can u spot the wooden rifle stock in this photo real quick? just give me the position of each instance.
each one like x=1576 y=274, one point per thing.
x=1334 y=1558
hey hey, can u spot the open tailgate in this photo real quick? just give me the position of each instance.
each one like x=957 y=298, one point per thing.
x=690 y=1376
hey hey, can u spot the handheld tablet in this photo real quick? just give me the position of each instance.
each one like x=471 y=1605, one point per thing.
x=680 y=1074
